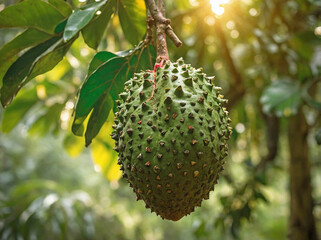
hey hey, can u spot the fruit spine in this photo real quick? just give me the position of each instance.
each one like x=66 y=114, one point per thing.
x=171 y=134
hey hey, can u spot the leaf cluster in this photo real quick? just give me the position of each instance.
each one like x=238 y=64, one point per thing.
x=51 y=27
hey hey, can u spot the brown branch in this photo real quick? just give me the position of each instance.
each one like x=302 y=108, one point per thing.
x=272 y=137
x=162 y=52
x=302 y=222
x=161 y=7
x=163 y=28
x=237 y=88
x=149 y=32
x=170 y=33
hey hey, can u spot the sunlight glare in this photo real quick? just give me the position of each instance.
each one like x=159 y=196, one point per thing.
x=217 y=6
x=317 y=31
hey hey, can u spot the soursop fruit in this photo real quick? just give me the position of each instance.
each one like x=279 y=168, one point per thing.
x=171 y=134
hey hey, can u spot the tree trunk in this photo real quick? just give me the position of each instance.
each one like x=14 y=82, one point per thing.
x=302 y=223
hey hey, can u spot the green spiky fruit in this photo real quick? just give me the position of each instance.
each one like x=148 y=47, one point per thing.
x=171 y=137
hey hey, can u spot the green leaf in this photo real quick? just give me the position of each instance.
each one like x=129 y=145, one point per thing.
x=147 y=58
x=98 y=117
x=99 y=59
x=63 y=7
x=31 y=14
x=60 y=27
x=19 y=70
x=48 y=61
x=14 y=113
x=4 y=68
x=282 y=98
x=94 y=31
x=80 y=18
x=26 y=39
x=108 y=78
x=132 y=17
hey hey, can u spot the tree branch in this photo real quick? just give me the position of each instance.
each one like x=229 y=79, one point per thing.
x=272 y=136
x=149 y=31
x=161 y=7
x=162 y=52
x=237 y=88
x=163 y=28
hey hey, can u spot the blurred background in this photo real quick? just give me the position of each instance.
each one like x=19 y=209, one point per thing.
x=265 y=54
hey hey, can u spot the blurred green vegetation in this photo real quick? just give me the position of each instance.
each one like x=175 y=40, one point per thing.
x=46 y=194
x=52 y=187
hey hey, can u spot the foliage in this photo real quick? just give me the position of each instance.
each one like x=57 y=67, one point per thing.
x=281 y=97
x=106 y=77
x=266 y=53
x=47 y=194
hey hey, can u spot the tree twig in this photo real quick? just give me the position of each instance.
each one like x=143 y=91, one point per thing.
x=149 y=31
x=161 y=7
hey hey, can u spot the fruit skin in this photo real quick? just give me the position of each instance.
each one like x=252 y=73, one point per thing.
x=171 y=137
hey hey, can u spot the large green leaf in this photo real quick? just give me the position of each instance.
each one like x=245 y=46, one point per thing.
x=80 y=18
x=34 y=62
x=99 y=59
x=282 y=97
x=26 y=39
x=63 y=7
x=31 y=14
x=132 y=17
x=19 y=70
x=98 y=117
x=94 y=31
x=106 y=76
x=15 y=112
x=48 y=61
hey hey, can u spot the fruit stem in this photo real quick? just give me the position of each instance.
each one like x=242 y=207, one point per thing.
x=163 y=28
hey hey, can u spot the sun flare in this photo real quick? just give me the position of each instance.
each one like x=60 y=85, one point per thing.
x=217 y=6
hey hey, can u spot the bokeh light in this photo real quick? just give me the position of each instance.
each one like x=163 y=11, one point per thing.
x=317 y=31
x=217 y=6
